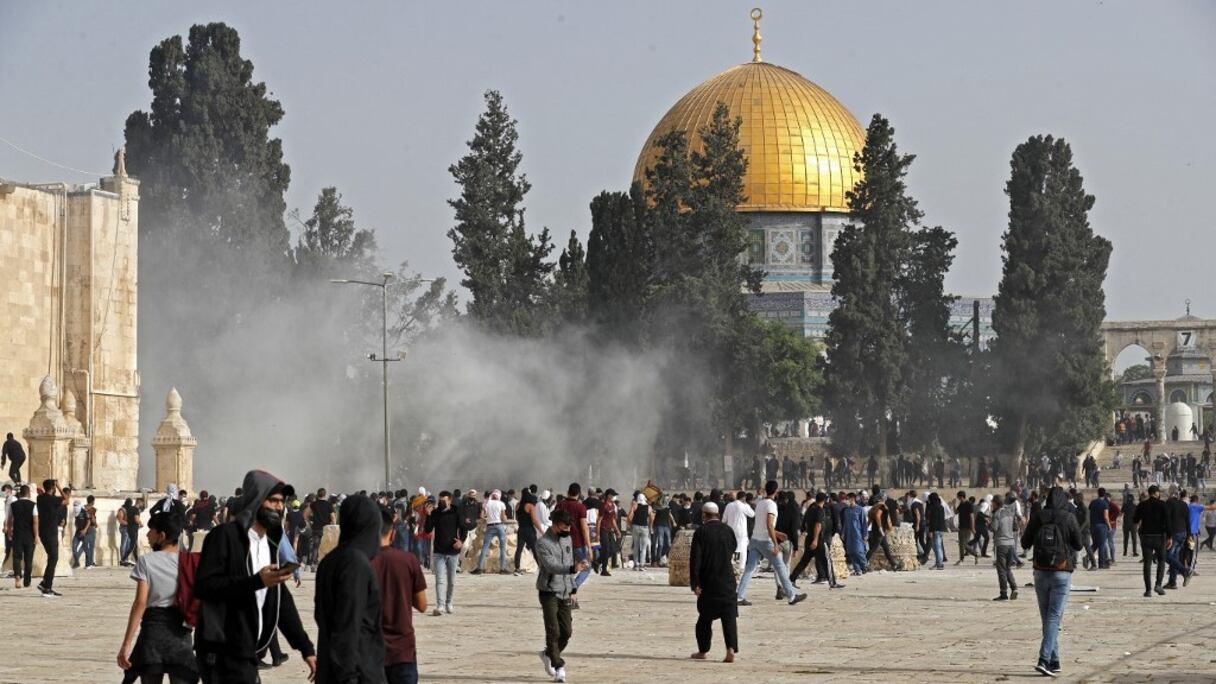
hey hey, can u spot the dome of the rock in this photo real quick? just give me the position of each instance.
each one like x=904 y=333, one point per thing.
x=799 y=140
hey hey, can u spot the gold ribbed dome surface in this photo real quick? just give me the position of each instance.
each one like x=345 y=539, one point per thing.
x=799 y=140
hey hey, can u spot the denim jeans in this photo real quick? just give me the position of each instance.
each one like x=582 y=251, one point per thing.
x=641 y=544
x=939 y=548
x=1173 y=559
x=445 y=577
x=84 y=544
x=401 y=673
x=1006 y=561
x=422 y=549
x=498 y=532
x=1101 y=534
x=126 y=543
x=1052 y=591
x=763 y=548
x=662 y=536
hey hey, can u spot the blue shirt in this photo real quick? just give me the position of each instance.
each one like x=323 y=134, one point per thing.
x=1196 y=510
x=1097 y=512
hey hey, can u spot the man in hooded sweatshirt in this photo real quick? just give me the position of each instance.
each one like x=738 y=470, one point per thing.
x=240 y=589
x=350 y=644
x=1056 y=537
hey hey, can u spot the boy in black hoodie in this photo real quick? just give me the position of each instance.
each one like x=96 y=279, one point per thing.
x=349 y=639
x=241 y=593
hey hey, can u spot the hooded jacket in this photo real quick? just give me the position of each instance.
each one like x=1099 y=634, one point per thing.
x=350 y=645
x=1055 y=511
x=226 y=586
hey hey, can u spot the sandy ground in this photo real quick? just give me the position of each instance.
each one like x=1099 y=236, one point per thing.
x=923 y=626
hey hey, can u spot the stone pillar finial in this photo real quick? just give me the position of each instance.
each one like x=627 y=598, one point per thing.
x=174 y=446
x=49 y=436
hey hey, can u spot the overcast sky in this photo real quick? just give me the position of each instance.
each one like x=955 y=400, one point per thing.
x=381 y=96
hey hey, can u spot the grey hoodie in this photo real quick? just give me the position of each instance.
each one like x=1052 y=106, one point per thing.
x=555 y=558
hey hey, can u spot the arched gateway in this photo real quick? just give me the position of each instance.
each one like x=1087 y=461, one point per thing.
x=1184 y=349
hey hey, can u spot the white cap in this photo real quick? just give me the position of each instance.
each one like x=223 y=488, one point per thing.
x=544 y=496
x=709 y=507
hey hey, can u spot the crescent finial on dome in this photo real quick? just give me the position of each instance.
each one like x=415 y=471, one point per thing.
x=756 y=15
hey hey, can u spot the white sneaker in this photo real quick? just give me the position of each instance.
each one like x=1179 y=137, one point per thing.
x=544 y=659
x=560 y=675
x=448 y=609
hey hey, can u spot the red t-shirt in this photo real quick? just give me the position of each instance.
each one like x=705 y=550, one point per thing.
x=400 y=577
x=578 y=513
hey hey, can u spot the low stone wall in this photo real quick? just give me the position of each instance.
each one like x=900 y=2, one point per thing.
x=903 y=548
x=472 y=549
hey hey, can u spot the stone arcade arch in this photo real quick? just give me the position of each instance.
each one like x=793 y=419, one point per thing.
x=1161 y=339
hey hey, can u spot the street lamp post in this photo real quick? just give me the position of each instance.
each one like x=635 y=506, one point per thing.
x=384 y=360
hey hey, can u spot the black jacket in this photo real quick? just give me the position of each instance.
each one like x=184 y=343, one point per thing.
x=350 y=644
x=447 y=526
x=1056 y=511
x=710 y=565
x=226 y=587
x=1150 y=517
x=1177 y=516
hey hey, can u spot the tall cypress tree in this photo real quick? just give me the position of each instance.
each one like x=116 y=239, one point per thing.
x=570 y=283
x=210 y=173
x=620 y=264
x=504 y=266
x=866 y=342
x=1052 y=389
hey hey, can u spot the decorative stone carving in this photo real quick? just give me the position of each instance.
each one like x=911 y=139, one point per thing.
x=174 y=446
x=49 y=437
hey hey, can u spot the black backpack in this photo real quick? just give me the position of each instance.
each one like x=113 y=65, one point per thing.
x=1051 y=550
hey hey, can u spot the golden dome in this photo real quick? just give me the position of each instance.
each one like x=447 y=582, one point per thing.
x=799 y=140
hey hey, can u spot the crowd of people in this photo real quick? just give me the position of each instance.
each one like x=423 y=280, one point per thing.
x=215 y=610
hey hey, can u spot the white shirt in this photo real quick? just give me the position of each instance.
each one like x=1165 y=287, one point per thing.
x=735 y=517
x=259 y=557
x=494 y=511
x=764 y=508
x=542 y=514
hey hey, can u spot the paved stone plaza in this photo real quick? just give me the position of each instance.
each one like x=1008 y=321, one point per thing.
x=919 y=627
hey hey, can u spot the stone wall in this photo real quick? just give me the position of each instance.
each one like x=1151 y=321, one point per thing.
x=29 y=300
x=68 y=309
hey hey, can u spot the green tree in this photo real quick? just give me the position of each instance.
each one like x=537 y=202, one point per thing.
x=620 y=264
x=210 y=173
x=505 y=268
x=570 y=283
x=331 y=241
x=1053 y=391
x=867 y=351
x=1140 y=371
x=775 y=373
x=933 y=354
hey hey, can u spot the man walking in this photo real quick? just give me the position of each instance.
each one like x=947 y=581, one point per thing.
x=1177 y=516
x=711 y=575
x=735 y=517
x=22 y=528
x=350 y=643
x=1099 y=523
x=965 y=510
x=51 y=505
x=555 y=585
x=402 y=587
x=240 y=588
x=14 y=454
x=1151 y=524
x=763 y=544
x=445 y=523
x=1005 y=539
x=1056 y=537
x=494 y=513
x=580 y=532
